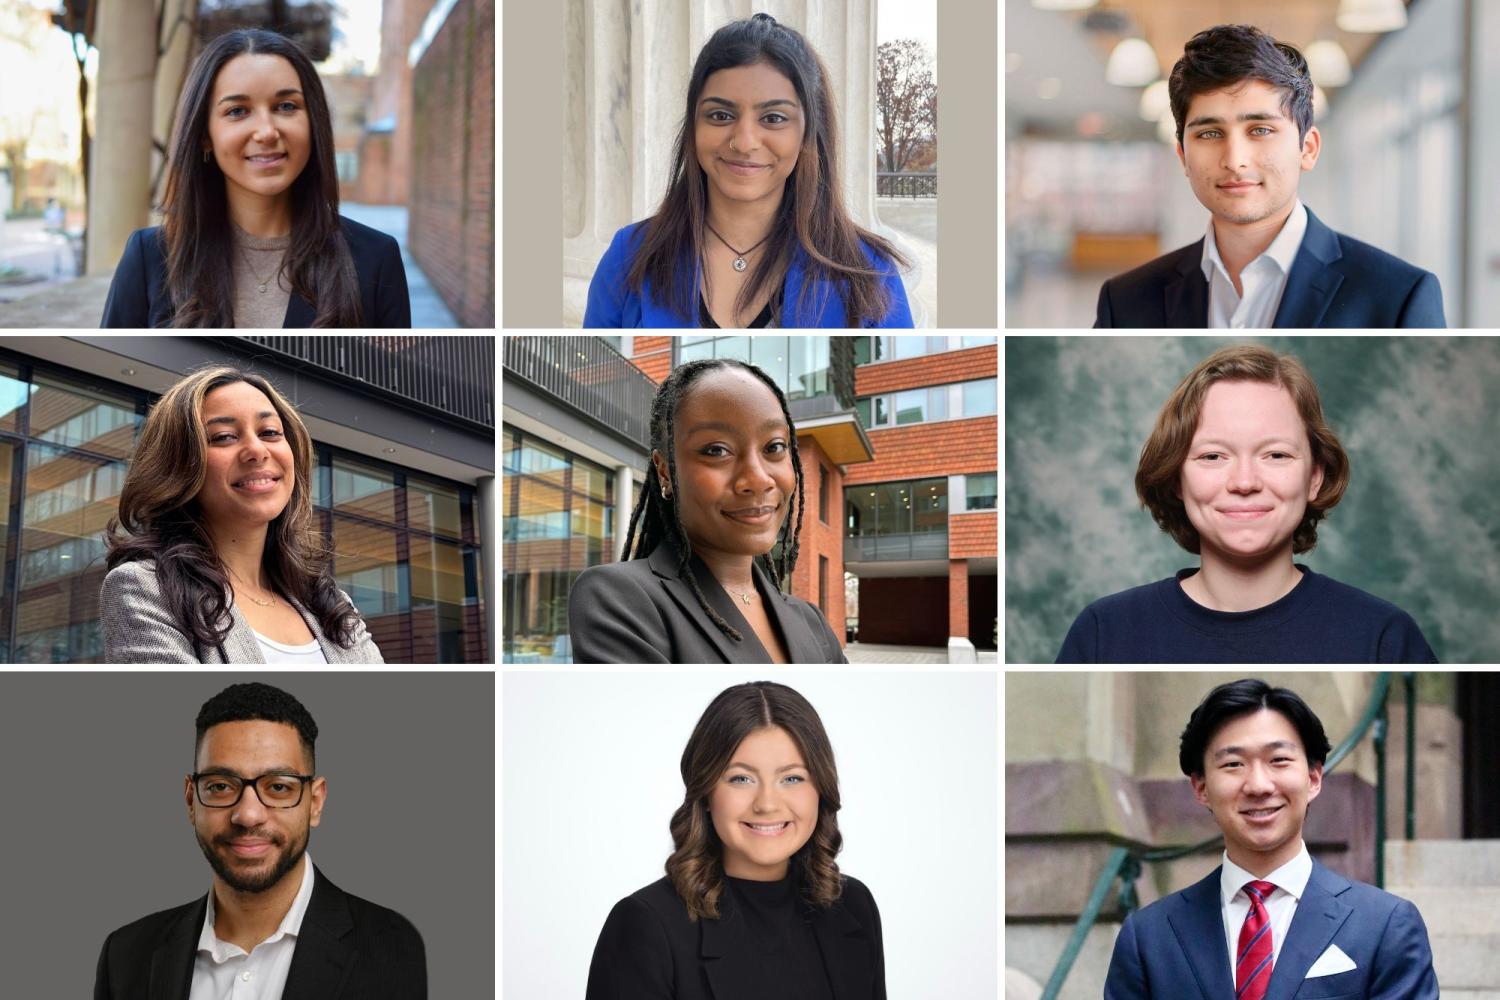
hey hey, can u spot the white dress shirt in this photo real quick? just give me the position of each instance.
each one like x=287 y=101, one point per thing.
x=1290 y=881
x=1263 y=279
x=307 y=653
x=222 y=971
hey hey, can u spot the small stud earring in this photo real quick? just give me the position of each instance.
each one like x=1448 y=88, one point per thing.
x=664 y=494
x=205 y=156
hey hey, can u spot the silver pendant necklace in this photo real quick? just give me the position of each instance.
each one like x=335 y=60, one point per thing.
x=744 y=596
x=740 y=255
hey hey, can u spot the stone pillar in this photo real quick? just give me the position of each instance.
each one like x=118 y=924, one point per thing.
x=489 y=544
x=120 y=185
x=624 y=503
x=625 y=79
x=1482 y=140
x=178 y=49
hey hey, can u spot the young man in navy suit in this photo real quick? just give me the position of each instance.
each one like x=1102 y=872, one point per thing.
x=1270 y=923
x=1243 y=103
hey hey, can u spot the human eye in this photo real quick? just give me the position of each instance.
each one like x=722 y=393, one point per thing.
x=1262 y=130
x=1212 y=133
x=738 y=779
x=270 y=431
x=715 y=451
x=224 y=438
x=1208 y=456
x=289 y=106
x=719 y=116
x=794 y=779
x=776 y=446
x=775 y=118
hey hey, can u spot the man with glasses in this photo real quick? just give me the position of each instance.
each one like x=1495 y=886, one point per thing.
x=272 y=927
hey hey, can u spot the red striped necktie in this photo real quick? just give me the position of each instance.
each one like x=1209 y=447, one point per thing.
x=1252 y=967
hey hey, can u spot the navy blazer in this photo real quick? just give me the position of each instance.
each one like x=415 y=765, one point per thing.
x=1335 y=281
x=642 y=611
x=138 y=294
x=1175 y=949
x=613 y=305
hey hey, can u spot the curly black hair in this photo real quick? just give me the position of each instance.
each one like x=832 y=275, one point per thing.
x=657 y=515
x=261 y=702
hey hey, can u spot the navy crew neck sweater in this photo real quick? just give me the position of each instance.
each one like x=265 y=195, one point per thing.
x=1318 y=621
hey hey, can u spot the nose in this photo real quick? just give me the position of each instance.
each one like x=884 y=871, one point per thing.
x=766 y=798
x=249 y=812
x=1244 y=477
x=266 y=132
x=754 y=476
x=1258 y=781
x=745 y=136
x=1236 y=152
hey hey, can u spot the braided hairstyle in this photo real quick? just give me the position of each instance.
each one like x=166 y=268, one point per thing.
x=658 y=516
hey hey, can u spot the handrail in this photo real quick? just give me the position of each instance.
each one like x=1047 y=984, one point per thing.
x=1125 y=862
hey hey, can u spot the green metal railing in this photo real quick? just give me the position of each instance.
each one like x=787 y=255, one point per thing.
x=1125 y=862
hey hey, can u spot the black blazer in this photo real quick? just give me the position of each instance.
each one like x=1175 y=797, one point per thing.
x=348 y=949
x=1335 y=281
x=138 y=294
x=650 y=950
x=640 y=611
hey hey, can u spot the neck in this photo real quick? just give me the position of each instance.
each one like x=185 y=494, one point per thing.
x=1260 y=865
x=1240 y=243
x=260 y=215
x=1223 y=584
x=730 y=569
x=241 y=549
x=742 y=223
x=248 y=918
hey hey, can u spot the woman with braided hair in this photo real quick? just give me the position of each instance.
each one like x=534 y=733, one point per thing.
x=713 y=537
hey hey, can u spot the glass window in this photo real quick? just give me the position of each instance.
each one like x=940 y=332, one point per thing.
x=809 y=367
x=732 y=347
x=366 y=568
x=594 y=480
x=361 y=490
x=590 y=533
x=433 y=508
x=770 y=353
x=980 y=398
x=75 y=417
x=510 y=451
x=871 y=348
x=930 y=505
x=859 y=511
x=441 y=614
x=862 y=410
x=822 y=493
x=13 y=396
x=882 y=411
x=978 y=341
x=911 y=406
x=982 y=490
x=909 y=347
x=695 y=351
x=893 y=509
x=539 y=458
x=937 y=402
x=536 y=616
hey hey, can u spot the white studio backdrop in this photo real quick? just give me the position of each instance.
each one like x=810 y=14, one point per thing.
x=590 y=780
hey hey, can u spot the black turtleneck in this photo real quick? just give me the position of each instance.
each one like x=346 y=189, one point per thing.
x=787 y=961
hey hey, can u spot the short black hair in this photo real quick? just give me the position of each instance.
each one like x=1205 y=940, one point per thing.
x=258 y=702
x=1229 y=54
x=1237 y=698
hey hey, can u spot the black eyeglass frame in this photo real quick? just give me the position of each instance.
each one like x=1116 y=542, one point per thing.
x=302 y=780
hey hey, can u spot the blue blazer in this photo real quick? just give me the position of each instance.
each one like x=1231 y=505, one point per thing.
x=1174 y=949
x=138 y=296
x=1335 y=281
x=613 y=305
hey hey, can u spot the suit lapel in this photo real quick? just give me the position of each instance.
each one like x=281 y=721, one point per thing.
x=240 y=645
x=846 y=953
x=1198 y=921
x=172 y=961
x=663 y=560
x=1312 y=283
x=1185 y=295
x=323 y=960
x=1319 y=916
x=725 y=951
x=801 y=645
x=299 y=313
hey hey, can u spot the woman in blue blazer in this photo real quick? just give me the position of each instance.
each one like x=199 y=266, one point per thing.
x=252 y=235
x=753 y=231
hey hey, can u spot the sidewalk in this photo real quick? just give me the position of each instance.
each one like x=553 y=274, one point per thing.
x=427 y=308
x=861 y=652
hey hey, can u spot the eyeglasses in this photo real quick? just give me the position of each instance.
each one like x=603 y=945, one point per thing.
x=275 y=790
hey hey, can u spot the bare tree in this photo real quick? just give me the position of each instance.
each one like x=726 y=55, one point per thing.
x=905 y=102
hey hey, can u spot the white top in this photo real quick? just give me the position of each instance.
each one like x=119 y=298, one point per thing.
x=222 y=971
x=1290 y=881
x=280 y=652
x=1263 y=279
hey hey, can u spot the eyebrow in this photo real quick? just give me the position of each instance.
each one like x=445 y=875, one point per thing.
x=224 y=772
x=1240 y=751
x=283 y=92
x=788 y=767
x=1259 y=444
x=1248 y=116
x=262 y=415
x=719 y=425
x=763 y=104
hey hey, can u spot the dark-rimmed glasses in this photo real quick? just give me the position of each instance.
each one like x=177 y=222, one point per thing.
x=276 y=790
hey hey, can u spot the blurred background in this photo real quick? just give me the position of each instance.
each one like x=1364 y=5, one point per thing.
x=87 y=108
x=1419 y=525
x=1405 y=102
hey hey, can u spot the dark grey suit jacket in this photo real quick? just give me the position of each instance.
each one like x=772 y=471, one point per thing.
x=348 y=949
x=640 y=611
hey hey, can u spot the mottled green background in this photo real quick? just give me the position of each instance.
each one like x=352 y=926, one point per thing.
x=1419 y=525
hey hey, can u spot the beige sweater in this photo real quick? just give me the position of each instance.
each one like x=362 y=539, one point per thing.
x=257 y=264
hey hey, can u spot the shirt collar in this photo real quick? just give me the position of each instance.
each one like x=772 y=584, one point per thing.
x=1291 y=877
x=291 y=924
x=1282 y=252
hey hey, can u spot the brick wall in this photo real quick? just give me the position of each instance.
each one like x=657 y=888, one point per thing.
x=943 y=448
x=452 y=225
x=819 y=539
x=933 y=369
x=971 y=535
x=958 y=597
x=653 y=355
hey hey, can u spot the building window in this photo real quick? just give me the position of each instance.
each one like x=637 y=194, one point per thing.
x=900 y=508
x=980 y=399
x=887 y=347
x=823 y=584
x=981 y=491
x=920 y=406
x=798 y=365
x=347 y=166
x=822 y=493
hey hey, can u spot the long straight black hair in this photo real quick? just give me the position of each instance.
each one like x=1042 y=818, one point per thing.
x=196 y=229
x=657 y=515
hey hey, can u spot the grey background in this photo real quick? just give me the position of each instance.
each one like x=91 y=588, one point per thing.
x=74 y=869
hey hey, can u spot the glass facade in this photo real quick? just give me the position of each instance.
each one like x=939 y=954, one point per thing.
x=799 y=365
x=982 y=490
x=976 y=398
x=901 y=508
x=895 y=347
x=405 y=547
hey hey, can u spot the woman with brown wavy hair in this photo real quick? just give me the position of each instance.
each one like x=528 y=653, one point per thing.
x=753 y=904
x=1240 y=469
x=216 y=556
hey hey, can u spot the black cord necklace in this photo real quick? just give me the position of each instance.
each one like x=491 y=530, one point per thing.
x=740 y=255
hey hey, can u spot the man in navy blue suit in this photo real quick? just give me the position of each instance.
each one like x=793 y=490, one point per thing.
x=1244 y=109
x=1270 y=923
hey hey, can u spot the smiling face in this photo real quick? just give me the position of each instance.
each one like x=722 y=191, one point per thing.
x=249 y=845
x=747 y=132
x=250 y=468
x=258 y=127
x=1241 y=153
x=735 y=480
x=764 y=807
x=1257 y=783
x=1249 y=473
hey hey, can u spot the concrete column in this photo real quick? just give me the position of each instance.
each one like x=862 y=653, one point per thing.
x=624 y=503
x=171 y=73
x=120 y=185
x=489 y=544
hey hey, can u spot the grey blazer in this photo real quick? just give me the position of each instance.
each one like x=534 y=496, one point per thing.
x=140 y=628
x=641 y=611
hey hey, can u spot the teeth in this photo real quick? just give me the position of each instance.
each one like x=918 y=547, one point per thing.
x=768 y=828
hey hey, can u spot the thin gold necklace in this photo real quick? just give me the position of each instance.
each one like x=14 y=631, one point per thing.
x=252 y=598
x=261 y=283
x=744 y=596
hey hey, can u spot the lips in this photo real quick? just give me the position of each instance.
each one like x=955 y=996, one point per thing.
x=752 y=515
x=267 y=159
x=250 y=848
x=768 y=829
x=1234 y=186
x=744 y=168
x=259 y=482
x=1247 y=513
x=1265 y=815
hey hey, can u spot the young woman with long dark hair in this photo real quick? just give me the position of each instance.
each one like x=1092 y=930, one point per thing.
x=753 y=231
x=251 y=234
x=216 y=555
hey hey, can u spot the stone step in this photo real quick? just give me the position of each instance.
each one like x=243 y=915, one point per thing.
x=1432 y=863
x=1455 y=911
x=1466 y=962
x=1454 y=994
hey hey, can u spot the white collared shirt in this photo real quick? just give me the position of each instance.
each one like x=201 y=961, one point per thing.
x=1263 y=279
x=1290 y=881
x=222 y=971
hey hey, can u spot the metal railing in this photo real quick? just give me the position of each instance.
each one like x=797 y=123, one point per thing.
x=452 y=375
x=1125 y=861
x=911 y=545
x=904 y=185
x=589 y=375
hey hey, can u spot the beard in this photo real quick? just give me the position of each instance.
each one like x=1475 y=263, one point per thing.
x=289 y=852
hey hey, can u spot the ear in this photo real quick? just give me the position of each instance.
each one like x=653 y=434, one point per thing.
x=663 y=475
x=1312 y=143
x=1200 y=789
x=1316 y=484
x=1315 y=781
x=189 y=797
x=1182 y=159
x=319 y=796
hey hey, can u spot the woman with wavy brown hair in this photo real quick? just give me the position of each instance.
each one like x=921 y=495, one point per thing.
x=753 y=904
x=1240 y=469
x=216 y=556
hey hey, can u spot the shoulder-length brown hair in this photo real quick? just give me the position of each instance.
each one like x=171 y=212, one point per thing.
x=1158 y=477
x=696 y=866
x=159 y=518
x=812 y=218
x=196 y=229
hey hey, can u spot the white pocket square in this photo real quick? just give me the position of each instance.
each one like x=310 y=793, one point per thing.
x=1331 y=963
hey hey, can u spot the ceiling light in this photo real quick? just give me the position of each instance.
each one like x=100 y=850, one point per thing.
x=1155 y=101
x=1133 y=63
x=1166 y=128
x=1320 y=103
x=1048 y=87
x=1372 y=16
x=1327 y=63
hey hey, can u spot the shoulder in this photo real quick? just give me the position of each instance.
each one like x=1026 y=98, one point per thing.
x=374 y=920
x=1149 y=276
x=134 y=578
x=816 y=621
x=625 y=245
x=365 y=241
x=628 y=575
x=1136 y=601
x=144 y=248
x=1374 y=266
x=857 y=898
x=877 y=258
x=143 y=935
x=1352 y=601
x=652 y=906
